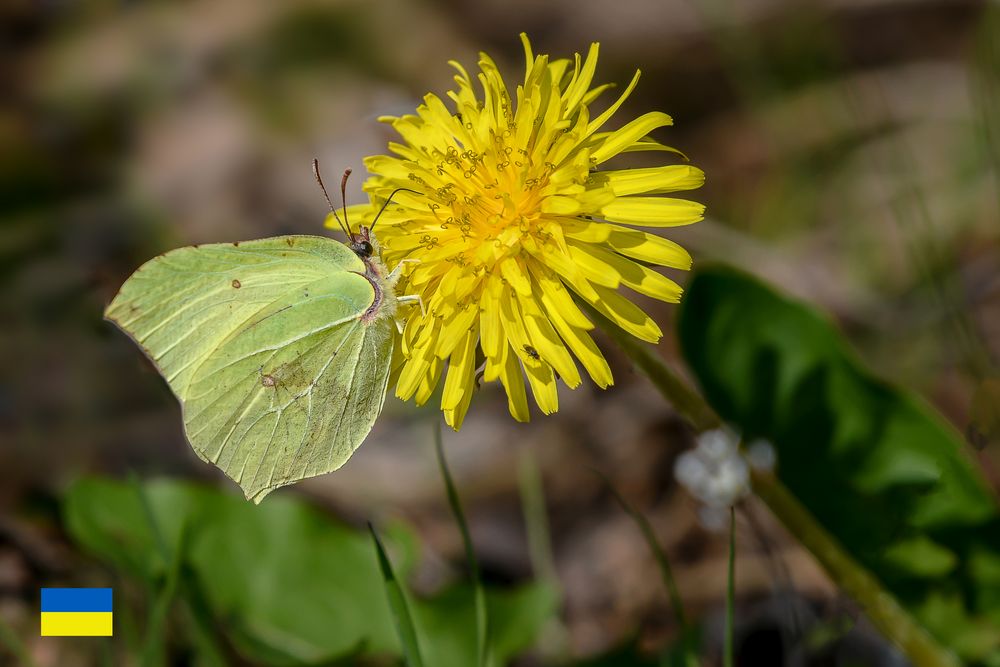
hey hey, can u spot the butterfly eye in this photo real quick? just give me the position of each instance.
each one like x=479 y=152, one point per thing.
x=362 y=249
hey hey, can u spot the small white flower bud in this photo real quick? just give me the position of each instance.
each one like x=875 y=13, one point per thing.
x=717 y=474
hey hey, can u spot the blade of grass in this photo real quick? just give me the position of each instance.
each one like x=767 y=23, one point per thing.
x=535 y=518
x=727 y=659
x=397 y=604
x=666 y=571
x=483 y=657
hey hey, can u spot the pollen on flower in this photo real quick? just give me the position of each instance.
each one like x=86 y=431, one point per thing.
x=513 y=220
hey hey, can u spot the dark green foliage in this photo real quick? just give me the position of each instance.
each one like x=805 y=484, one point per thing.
x=883 y=474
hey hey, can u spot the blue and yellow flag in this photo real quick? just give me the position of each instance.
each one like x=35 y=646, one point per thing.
x=76 y=612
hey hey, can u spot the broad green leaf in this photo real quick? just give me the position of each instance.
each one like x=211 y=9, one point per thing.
x=882 y=472
x=264 y=344
x=289 y=584
x=108 y=519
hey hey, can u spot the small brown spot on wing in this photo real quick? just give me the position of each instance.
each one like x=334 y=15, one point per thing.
x=268 y=380
x=236 y=244
x=237 y=284
x=290 y=241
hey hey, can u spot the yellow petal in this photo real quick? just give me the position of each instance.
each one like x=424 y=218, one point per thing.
x=492 y=333
x=566 y=145
x=543 y=387
x=593 y=269
x=618 y=140
x=610 y=111
x=556 y=299
x=429 y=381
x=455 y=330
x=455 y=417
x=547 y=343
x=627 y=315
x=638 y=277
x=585 y=349
x=411 y=376
x=648 y=144
x=513 y=382
x=529 y=58
x=461 y=370
x=581 y=78
x=570 y=274
x=648 y=247
x=653 y=180
x=561 y=205
x=513 y=326
x=594 y=93
x=410 y=333
x=515 y=276
x=653 y=211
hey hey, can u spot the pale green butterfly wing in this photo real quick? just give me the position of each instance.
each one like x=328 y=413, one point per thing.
x=270 y=409
x=263 y=344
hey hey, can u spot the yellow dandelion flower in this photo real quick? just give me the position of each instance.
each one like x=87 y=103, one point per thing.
x=514 y=220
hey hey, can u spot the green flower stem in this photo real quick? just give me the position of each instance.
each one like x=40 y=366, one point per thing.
x=882 y=609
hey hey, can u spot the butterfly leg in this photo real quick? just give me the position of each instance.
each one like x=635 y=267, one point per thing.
x=397 y=271
x=409 y=298
x=412 y=298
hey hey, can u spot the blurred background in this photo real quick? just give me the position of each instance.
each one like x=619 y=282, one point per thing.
x=852 y=151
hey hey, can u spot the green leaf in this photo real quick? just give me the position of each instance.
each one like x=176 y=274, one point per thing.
x=885 y=475
x=289 y=584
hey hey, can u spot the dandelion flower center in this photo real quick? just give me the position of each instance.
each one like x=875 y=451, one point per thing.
x=513 y=220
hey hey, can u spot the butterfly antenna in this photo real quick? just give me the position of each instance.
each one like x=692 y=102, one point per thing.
x=391 y=195
x=319 y=179
x=343 y=195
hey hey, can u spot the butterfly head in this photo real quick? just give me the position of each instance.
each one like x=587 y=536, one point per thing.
x=363 y=243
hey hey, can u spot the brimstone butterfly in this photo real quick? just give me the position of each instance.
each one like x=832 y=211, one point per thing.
x=279 y=350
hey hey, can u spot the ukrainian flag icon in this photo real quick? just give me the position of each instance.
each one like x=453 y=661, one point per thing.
x=76 y=612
